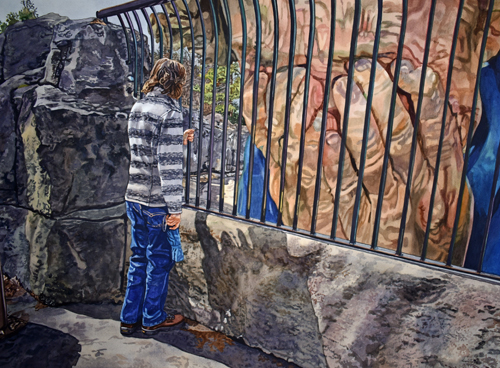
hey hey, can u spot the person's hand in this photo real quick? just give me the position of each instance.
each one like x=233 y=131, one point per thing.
x=173 y=221
x=188 y=136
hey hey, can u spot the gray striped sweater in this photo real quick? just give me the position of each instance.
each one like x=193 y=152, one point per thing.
x=155 y=136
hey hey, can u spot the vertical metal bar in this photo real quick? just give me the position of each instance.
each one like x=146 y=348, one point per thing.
x=469 y=136
x=136 y=61
x=441 y=135
x=142 y=46
x=258 y=48
x=214 y=93
x=326 y=99
x=129 y=59
x=310 y=45
x=226 y=106
x=388 y=139
x=193 y=55
x=160 y=30
x=416 y=125
x=366 y=126
x=3 y=304
x=202 y=101
x=345 y=124
x=167 y=16
x=271 y=109
x=490 y=210
x=150 y=27
x=180 y=32
x=291 y=57
x=240 y=112
x=181 y=58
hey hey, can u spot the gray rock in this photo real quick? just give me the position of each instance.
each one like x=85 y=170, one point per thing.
x=84 y=261
x=85 y=62
x=72 y=130
x=231 y=144
x=64 y=157
x=242 y=280
x=14 y=246
x=36 y=34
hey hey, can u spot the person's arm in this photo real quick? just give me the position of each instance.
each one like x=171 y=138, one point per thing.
x=170 y=160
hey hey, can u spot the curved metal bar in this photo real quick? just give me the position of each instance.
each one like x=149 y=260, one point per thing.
x=240 y=112
x=291 y=57
x=214 y=93
x=441 y=134
x=366 y=126
x=226 y=104
x=416 y=125
x=160 y=30
x=193 y=55
x=150 y=27
x=390 y=124
x=142 y=45
x=136 y=61
x=180 y=31
x=271 y=109
x=167 y=17
x=181 y=58
x=326 y=99
x=310 y=45
x=123 y=8
x=129 y=59
x=258 y=48
x=345 y=124
x=469 y=139
x=202 y=99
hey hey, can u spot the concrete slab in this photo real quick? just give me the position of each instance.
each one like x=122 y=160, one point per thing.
x=103 y=346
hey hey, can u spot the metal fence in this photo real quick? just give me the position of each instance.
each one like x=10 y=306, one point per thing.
x=202 y=37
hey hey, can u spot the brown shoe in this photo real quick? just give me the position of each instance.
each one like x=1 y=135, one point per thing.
x=171 y=320
x=128 y=329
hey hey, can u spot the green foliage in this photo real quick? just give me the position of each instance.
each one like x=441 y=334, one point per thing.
x=220 y=95
x=28 y=11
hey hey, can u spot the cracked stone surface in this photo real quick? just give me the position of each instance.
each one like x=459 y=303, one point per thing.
x=320 y=305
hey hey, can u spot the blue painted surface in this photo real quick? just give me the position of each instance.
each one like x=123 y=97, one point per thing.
x=259 y=166
x=484 y=149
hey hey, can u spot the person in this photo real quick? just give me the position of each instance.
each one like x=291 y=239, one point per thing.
x=154 y=197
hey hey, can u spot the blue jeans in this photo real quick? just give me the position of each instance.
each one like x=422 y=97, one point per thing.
x=150 y=264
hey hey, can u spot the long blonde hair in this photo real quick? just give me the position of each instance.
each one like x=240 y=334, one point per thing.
x=168 y=74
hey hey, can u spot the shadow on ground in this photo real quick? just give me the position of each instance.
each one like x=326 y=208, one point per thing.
x=37 y=346
x=40 y=346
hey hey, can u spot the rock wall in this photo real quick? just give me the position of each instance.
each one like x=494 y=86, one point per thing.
x=64 y=102
x=64 y=106
x=320 y=305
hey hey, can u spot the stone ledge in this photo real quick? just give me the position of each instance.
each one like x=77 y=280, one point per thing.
x=321 y=305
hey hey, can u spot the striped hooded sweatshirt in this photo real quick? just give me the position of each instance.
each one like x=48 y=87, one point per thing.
x=155 y=137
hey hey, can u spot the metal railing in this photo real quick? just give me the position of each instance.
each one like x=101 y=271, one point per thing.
x=205 y=34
